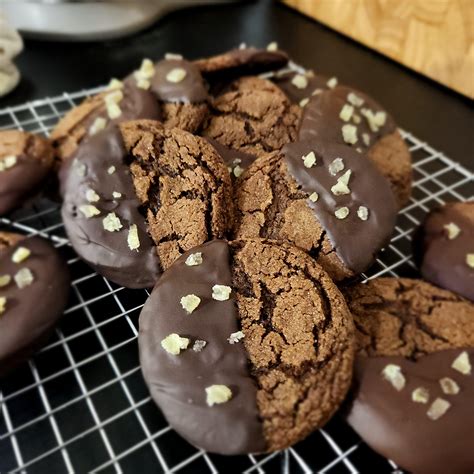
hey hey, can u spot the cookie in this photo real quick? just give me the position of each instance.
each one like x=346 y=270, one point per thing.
x=324 y=197
x=252 y=116
x=241 y=62
x=346 y=116
x=137 y=197
x=172 y=91
x=120 y=102
x=182 y=93
x=246 y=346
x=414 y=385
x=444 y=248
x=34 y=288
x=25 y=162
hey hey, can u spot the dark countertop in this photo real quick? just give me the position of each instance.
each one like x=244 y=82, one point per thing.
x=443 y=118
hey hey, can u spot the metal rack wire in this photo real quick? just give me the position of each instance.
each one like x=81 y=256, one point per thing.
x=80 y=405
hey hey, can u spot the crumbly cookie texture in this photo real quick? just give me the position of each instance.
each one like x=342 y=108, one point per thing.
x=253 y=116
x=287 y=307
x=183 y=185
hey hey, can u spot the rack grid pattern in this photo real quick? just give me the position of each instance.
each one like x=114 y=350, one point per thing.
x=80 y=405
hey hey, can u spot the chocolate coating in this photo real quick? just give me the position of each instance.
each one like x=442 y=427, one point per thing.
x=177 y=382
x=443 y=260
x=322 y=122
x=20 y=182
x=295 y=94
x=107 y=252
x=398 y=428
x=355 y=241
x=34 y=159
x=30 y=313
x=191 y=89
x=241 y=62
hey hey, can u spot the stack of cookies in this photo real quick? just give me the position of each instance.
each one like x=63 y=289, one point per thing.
x=252 y=198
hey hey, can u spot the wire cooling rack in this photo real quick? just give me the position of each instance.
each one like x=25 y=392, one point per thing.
x=80 y=405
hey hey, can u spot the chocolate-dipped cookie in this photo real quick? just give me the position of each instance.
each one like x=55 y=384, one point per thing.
x=246 y=346
x=122 y=101
x=172 y=91
x=25 y=162
x=137 y=197
x=414 y=384
x=241 y=62
x=251 y=116
x=324 y=197
x=34 y=288
x=444 y=248
x=346 y=116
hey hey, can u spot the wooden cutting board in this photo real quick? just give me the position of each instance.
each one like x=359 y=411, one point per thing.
x=434 y=37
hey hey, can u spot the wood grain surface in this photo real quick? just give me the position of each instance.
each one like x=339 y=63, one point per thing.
x=433 y=37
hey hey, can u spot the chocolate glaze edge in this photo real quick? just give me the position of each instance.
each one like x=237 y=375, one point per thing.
x=177 y=383
x=399 y=429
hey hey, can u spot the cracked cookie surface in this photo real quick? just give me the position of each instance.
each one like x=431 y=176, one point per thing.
x=253 y=116
x=409 y=318
x=289 y=368
x=411 y=399
x=135 y=198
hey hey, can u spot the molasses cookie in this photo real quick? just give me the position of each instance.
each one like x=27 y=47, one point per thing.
x=252 y=116
x=137 y=196
x=414 y=383
x=324 y=197
x=34 y=288
x=242 y=62
x=346 y=116
x=120 y=102
x=25 y=162
x=246 y=346
x=171 y=91
x=444 y=248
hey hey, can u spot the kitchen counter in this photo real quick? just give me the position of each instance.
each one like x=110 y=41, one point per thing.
x=433 y=113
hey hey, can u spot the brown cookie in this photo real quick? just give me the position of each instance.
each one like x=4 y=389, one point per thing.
x=241 y=62
x=414 y=384
x=124 y=101
x=252 y=116
x=25 y=162
x=444 y=248
x=347 y=116
x=138 y=197
x=34 y=288
x=172 y=91
x=301 y=195
x=246 y=346
x=181 y=92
